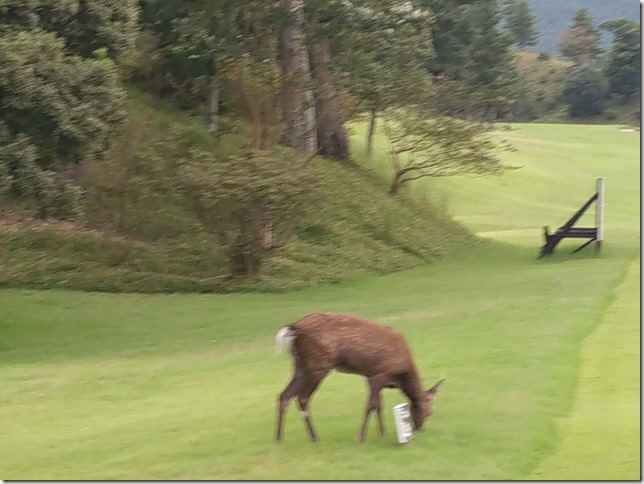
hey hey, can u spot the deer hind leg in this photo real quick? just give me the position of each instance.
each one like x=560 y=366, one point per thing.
x=285 y=397
x=303 y=398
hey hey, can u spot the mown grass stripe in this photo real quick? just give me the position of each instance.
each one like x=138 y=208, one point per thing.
x=600 y=439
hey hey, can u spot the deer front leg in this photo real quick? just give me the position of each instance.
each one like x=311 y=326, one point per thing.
x=376 y=384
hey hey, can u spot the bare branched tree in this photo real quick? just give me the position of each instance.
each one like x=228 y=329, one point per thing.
x=434 y=145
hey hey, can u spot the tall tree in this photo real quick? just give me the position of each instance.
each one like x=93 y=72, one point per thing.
x=576 y=44
x=623 y=64
x=582 y=18
x=580 y=42
x=187 y=42
x=472 y=56
x=383 y=47
x=298 y=102
x=489 y=74
x=451 y=32
x=325 y=20
x=520 y=22
x=331 y=135
x=585 y=91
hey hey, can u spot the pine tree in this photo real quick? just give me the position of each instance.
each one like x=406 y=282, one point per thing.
x=581 y=41
x=520 y=22
x=451 y=33
x=489 y=74
x=624 y=63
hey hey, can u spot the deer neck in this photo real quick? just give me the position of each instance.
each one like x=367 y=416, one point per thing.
x=412 y=387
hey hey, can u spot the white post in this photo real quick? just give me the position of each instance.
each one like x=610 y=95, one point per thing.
x=600 y=210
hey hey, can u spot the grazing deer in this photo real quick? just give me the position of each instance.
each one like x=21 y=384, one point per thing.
x=321 y=342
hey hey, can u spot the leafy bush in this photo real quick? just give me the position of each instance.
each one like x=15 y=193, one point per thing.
x=541 y=80
x=85 y=26
x=251 y=203
x=57 y=111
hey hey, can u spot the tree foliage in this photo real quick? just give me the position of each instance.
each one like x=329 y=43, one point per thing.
x=250 y=203
x=580 y=42
x=490 y=73
x=85 y=25
x=423 y=146
x=520 y=22
x=582 y=18
x=585 y=91
x=451 y=34
x=263 y=75
x=57 y=109
x=624 y=63
x=376 y=51
x=541 y=80
x=471 y=49
x=182 y=44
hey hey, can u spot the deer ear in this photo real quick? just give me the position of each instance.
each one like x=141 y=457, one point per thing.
x=434 y=390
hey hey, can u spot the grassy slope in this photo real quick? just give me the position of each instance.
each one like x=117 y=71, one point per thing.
x=354 y=228
x=133 y=386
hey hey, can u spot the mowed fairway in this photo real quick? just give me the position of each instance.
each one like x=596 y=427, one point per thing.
x=99 y=386
x=607 y=402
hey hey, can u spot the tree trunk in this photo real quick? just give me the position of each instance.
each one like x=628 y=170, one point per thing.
x=298 y=102
x=332 y=137
x=372 y=128
x=213 y=104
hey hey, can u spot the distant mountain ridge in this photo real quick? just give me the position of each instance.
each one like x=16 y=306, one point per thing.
x=556 y=15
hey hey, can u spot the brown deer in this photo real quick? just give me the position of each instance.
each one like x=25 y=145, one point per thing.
x=321 y=342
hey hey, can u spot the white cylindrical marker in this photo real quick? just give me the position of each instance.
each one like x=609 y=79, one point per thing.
x=402 y=419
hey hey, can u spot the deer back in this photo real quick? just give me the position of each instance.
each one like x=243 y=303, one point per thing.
x=349 y=343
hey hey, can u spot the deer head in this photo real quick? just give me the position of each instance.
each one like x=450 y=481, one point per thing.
x=423 y=408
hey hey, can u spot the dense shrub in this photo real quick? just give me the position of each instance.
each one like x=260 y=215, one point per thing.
x=250 y=203
x=585 y=92
x=57 y=110
x=85 y=26
x=542 y=82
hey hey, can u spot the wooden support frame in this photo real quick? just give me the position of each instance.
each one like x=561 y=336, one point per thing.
x=594 y=234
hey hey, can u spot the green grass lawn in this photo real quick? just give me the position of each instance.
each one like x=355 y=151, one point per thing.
x=101 y=386
x=607 y=407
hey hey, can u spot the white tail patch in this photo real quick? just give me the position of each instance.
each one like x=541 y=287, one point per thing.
x=284 y=337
